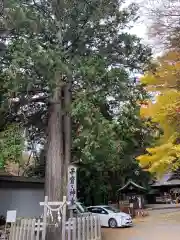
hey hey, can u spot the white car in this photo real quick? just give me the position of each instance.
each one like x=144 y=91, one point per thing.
x=111 y=217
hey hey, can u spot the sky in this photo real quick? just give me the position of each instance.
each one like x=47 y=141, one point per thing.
x=141 y=26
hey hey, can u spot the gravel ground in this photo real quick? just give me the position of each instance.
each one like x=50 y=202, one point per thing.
x=160 y=225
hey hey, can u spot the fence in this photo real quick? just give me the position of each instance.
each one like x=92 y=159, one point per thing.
x=82 y=228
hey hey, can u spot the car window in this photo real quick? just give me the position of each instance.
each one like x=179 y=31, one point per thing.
x=93 y=210
x=103 y=211
x=98 y=210
x=90 y=209
x=111 y=209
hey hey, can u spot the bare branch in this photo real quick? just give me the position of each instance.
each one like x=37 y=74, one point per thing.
x=164 y=17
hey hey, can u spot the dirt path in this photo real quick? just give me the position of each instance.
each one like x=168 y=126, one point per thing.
x=161 y=225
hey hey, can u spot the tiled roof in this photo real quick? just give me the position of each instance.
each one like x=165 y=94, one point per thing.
x=130 y=182
x=167 y=180
x=20 y=179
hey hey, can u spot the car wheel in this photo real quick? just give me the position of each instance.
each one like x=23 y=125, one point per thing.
x=112 y=223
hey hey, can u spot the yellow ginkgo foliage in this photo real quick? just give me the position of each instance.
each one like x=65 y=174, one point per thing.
x=167 y=74
x=162 y=157
x=164 y=110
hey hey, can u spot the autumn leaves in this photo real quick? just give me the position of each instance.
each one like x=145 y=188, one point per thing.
x=165 y=84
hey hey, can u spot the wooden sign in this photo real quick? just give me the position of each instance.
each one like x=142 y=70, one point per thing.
x=72 y=186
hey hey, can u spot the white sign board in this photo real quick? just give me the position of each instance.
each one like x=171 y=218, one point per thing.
x=72 y=185
x=11 y=216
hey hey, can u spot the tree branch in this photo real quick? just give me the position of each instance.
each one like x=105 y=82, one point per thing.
x=40 y=8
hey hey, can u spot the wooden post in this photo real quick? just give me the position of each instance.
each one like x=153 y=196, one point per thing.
x=24 y=228
x=92 y=227
x=71 y=213
x=45 y=218
x=79 y=228
x=21 y=230
x=87 y=227
x=17 y=230
x=74 y=229
x=95 y=227
x=83 y=228
x=63 y=219
x=99 y=229
x=69 y=230
x=32 y=229
x=29 y=228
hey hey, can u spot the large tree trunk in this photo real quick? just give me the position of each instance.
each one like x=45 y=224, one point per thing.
x=55 y=153
x=54 y=161
x=59 y=144
x=67 y=134
x=58 y=150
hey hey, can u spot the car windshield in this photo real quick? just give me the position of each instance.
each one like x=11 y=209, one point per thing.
x=111 y=209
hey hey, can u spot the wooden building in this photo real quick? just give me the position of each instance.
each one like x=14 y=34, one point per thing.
x=21 y=194
x=167 y=188
x=131 y=195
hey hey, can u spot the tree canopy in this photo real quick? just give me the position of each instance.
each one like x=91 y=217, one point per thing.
x=166 y=112
x=82 y=45
x=163 y=82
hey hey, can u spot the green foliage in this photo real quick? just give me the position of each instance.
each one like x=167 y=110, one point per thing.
x=105 y=149
x=85 y=40
x=11 y=144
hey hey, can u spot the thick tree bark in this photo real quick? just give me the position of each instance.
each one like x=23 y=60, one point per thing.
x=55 y=159
x=59 y=144
x=55 y=154
x=58 y=150
x=67 y=134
